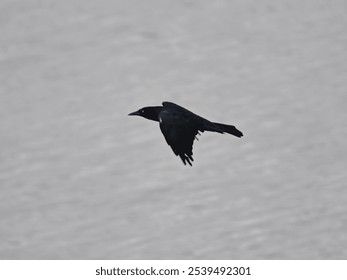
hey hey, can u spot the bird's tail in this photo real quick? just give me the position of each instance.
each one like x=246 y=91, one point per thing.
x=224 y=128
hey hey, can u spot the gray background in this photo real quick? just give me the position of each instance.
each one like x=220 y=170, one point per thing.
x=81 y=179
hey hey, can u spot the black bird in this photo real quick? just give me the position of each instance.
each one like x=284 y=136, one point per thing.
x=180 y=127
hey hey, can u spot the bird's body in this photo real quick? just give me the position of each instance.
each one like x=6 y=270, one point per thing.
x=180 y=127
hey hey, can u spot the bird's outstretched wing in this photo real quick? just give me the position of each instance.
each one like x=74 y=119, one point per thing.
x=179 y=133
x=180 y=139
x=172 y=105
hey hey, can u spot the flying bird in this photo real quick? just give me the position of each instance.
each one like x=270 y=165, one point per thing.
x=180 y=127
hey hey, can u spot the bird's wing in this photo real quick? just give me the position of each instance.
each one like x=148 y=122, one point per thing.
x=171 y=104
x=176 y=107
x=198 y=121
x=179 y=134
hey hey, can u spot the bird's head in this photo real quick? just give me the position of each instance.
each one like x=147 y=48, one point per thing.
x=150 y=113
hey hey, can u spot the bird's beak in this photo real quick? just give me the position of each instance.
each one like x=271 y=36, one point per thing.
x=136 y=113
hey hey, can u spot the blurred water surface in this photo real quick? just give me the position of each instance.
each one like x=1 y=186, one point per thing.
x=81 y=180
